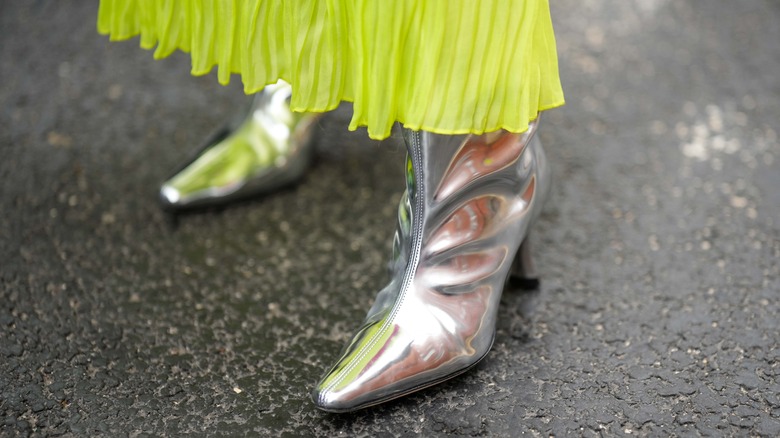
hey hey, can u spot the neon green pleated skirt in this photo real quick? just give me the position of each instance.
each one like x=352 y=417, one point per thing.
x=446 y=66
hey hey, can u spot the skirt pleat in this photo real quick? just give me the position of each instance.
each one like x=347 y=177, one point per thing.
x=446 y=66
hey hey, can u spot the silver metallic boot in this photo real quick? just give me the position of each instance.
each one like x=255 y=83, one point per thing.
x=270 y=148
x=463 y=221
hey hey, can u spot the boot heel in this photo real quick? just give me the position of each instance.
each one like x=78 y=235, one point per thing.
x=522 y=274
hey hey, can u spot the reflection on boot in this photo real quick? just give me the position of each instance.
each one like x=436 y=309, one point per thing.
x=270 y=148
x=468 y=207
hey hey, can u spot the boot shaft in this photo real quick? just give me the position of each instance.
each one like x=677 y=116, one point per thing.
x=467 y=197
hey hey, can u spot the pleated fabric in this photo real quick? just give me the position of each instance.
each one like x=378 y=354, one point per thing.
x=446 y=66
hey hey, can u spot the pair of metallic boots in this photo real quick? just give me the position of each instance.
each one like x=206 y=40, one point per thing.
x=463 y=224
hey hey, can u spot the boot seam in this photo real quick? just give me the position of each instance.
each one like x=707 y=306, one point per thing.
x=413 y=260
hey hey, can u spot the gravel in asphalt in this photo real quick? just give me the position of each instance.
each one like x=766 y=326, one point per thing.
x=658 y=309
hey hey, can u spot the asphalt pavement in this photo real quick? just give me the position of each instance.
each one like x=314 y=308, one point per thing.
x=658 y=309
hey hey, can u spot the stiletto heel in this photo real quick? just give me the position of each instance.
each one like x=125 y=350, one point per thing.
x=469 y=203
x=523 y=274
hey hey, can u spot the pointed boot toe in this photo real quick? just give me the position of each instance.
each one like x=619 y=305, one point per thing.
x=395 y=354
x=169 y=197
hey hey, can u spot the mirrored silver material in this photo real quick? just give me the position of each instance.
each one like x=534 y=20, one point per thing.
x=270 y=148
x=469 y=203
